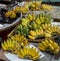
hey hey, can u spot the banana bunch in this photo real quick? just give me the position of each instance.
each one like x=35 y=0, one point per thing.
x=9 y=45
x=20 y=39
x=49 y=45
x=52 y=31
x=32 y=34
x=24 y=9
x=31 y=17
x=45 y=18
x=39 y=20
x=36 y=34
x=34 y=26
x=45 y=26
x=25 y=21
x=10 y=14
x=16 y=9
x=28 y=53
x=46 y=7
x=35 y=5
x=23 y=30
x=32 y=22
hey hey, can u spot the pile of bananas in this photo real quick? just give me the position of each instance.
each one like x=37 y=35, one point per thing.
x=32 y=26
x=10 y=14
x=9 y=45
x=17 y=44
x=45 y=7
x=36 y=34
x=49 y=45
x=28 y=53
x=23 y=30
x=52 y=31
x=17 y=10
x=20 y=39
x=35 y=5
x=22 y=9
x=45 y=26
x=14 y=43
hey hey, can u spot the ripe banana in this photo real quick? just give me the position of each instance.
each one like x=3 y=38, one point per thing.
x=49 y=45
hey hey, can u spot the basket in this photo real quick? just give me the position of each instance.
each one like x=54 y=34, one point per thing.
x=7 y=26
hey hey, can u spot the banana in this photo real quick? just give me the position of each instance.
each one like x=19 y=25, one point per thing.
x=41 y=48
x=38 y=21
x=32 y=33
x=47 y=35
x=51 y=47
x=44 y=43
x=47 y=42
x=41 y=45
x=51 y=42
x=3 y=46
x=31 y=37
x=56 y=51
x=55 y=45
x=30 y=17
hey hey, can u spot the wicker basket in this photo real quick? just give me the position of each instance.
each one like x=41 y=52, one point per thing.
x=8 y=26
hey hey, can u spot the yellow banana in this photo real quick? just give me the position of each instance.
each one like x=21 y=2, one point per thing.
x=51 y=47
x=31 y=37
x=3 y=46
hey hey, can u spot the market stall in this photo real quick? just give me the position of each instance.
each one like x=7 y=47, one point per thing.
x=36 y=33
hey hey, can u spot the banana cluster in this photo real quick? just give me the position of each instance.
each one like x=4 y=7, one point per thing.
x=46 y=7
x=31 y=17
x=18 y=9
x=45 y=26
x=34 y=26
x=28 y=53
x=15 y=43
x=52 y=31
x=9 y=45
x=10 y=14
x=35 y=5
x=23 y=30
x=20 y=39
x=36 y=34
x=25 y=21
x=49 y=45
x=22 y=9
